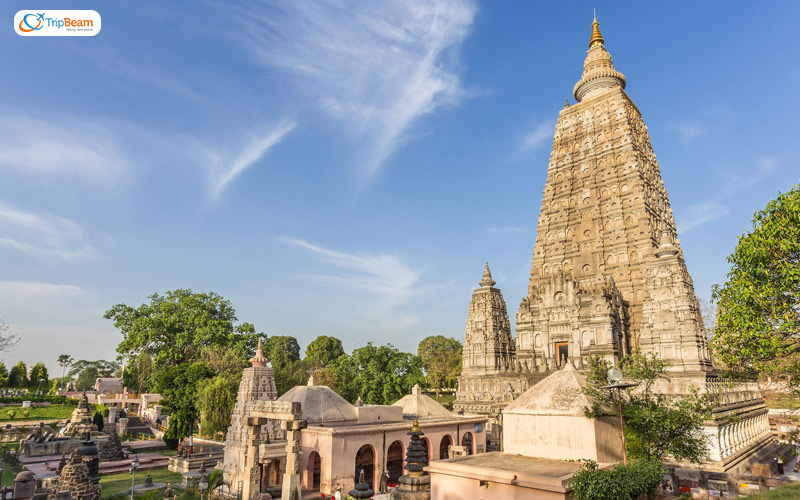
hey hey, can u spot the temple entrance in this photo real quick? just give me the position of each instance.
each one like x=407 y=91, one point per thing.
x=562 y=351
x=466 y=442
x=394 y=461
x=444 y=447
x=314 y=470
x=365 y=459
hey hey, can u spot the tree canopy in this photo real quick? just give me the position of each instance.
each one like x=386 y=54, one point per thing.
x=323 y=351
x=758 y=323
x=377 y=374
x=85 y=372
x=39 y=375
x=18 y=376
x=441 y=358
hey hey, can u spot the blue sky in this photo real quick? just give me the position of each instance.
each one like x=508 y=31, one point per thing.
x=345 y=168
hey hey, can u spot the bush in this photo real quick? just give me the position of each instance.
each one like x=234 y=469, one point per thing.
x=623 y=482
x=97 y=419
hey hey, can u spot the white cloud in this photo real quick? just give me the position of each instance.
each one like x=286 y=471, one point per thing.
x=58 y=148
x=42 y=235
x=701 y=213
x=385 y=275
x=252 y=153
x=377 y=66
x=538 y=136
x=22 y=291
x=508 y=230
x=688 y=132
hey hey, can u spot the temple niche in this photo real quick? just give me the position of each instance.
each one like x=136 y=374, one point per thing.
x=608 y=275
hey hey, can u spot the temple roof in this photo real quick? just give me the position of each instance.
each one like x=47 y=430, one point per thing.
x=599 y=73
x=487 y=277
x=558 y=394
x=422 y=406
x=320 y=404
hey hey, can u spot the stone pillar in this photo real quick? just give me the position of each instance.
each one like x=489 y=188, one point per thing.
x=291 y=476
x=122 y=427
x=24 y=485
x=113 y=415
x=252 y=469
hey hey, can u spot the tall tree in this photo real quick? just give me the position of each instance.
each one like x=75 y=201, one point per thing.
x=8 y=339
x=85 y=373
x=282 y=350
x=18 y=376
x=178 y=385
x=323 y=351
x=758 y=325
x=216 y=398
x=377 y=374
x=174 y=328
x=64 y=361
x=3 y=375
x=441 y=358
x=656 y=425
x=38 y=375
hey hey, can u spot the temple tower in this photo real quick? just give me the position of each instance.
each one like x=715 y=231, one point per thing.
x=608 y=274
x=488 y=346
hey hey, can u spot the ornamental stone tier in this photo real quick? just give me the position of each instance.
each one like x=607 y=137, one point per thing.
x=608 y=275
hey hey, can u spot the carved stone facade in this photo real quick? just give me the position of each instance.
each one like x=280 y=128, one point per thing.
x=608 y=275
x=258 y=384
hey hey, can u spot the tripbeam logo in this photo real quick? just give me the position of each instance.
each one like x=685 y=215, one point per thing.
x=57 y=23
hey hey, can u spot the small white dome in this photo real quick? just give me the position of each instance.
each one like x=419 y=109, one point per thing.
x=320 y=404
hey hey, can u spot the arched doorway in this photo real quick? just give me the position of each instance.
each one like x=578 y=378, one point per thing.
x=394 y=461
x=444 y=447
x=427 y=445
x=365 y=459
x=466 y=442
x=314 y=470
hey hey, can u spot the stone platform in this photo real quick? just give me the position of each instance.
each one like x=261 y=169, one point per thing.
x=48 y=465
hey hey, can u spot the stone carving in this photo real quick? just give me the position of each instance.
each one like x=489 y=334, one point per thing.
x=76 y=479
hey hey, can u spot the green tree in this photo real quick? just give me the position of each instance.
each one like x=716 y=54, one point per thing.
x=441 y=358
x=179 y=385
x=216 y=398
x=377 y=374
x=64 y=361
x=97 y=419
x=38 y=375
x=175 y=328
x=8 y=340
x=758 y=320
x=85 y=373
x=282 y=351
x=3 y=375
x=323 y=351
x=54 y=388
x=18 y=376
x=656 y=425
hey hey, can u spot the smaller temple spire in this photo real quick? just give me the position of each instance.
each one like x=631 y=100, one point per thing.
x=259 y=359
x=597 y=37
x=487 y=277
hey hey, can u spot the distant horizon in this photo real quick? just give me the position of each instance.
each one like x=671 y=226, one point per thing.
x=343 y=175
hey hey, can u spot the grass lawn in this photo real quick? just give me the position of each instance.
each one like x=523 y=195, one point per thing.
x=167 y=452
x=118 y=483
x=782 y=401
x=36 y=412
x=791 y=491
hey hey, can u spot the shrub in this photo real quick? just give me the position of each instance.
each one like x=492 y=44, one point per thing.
x=97 y=419
x=623 y=482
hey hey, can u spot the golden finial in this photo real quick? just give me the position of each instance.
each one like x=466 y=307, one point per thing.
x=415 y=426
x=597 y=37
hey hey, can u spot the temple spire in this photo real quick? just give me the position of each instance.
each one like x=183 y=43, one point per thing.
x=487 y=277
x=597 y=37
x=259 y=359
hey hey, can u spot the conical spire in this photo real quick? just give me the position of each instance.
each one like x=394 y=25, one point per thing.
x=599 y=73
x=597 y=37
x=487 y=277
x=416 y=456
x=259 y=359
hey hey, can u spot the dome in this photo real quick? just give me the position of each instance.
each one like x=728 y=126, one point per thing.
x=319 y=404
x=560 y=393
x=422 y=406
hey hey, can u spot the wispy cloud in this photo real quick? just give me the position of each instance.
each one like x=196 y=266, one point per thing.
x=715 y=208
x=688 y=132
x=23 y=291
x=383 y=274
x=43 y=236
x=378 y=67
x=250 y=155
x=538 y=136
x=58 y=148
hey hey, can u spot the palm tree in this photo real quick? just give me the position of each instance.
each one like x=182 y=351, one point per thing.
x=64 y=360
